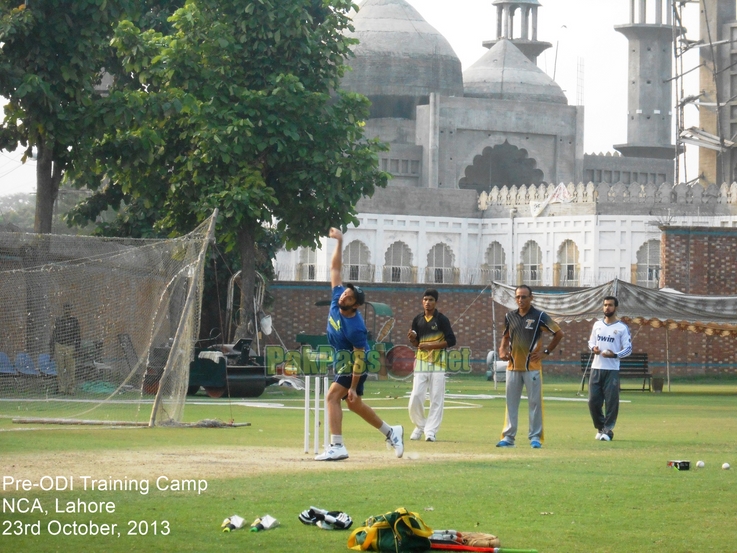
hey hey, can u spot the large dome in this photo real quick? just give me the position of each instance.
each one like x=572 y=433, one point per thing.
x=505 y=73
x=400 y=59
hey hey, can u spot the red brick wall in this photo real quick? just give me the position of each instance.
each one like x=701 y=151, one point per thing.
x=470 y=313
x=699 y=260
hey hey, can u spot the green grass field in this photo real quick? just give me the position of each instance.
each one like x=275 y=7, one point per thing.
x=574 y=495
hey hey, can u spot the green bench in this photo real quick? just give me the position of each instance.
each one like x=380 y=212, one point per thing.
x=633 y=366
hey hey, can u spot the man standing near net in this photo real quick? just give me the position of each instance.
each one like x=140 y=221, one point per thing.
x=610 y=340
x=431 y=334
x=348 y=336
x=522 y=347
x=65 y=344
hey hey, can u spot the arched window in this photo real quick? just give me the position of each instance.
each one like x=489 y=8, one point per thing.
x=532 y=268
x=567 y=264
x=440 y=265
x=357 y=263
x=398 y=263
x=648 y=264
x=495 y=263
x=307 y=263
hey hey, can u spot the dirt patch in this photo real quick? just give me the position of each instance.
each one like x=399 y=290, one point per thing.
x=207 y=463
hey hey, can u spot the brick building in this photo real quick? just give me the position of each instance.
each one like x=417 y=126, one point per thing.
x=699 y=260
x=469 y=309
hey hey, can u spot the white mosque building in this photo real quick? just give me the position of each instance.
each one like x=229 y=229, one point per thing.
x=490 y=179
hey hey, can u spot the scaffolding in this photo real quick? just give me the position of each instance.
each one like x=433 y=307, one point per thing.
x=717 y=129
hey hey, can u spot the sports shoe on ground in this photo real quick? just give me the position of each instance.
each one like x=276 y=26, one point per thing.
x=535 y=444
x=505 y=443
x=430 y=437
x=311 y=516
x=598 y=435
x=395 y=439
x=607 y=436
x=416 y=434
x=336 y=452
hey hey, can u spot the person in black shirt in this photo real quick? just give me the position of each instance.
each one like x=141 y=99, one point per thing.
x=66 y=340
x=431 y=334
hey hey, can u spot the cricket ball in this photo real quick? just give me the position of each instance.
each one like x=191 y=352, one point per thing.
x=725 y=466
x=700 y=464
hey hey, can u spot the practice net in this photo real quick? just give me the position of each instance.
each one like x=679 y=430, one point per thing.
x=100 y=330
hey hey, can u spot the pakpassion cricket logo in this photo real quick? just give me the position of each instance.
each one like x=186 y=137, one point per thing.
x=317 y=361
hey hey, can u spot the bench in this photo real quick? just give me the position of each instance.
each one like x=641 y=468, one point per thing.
x=632 y=366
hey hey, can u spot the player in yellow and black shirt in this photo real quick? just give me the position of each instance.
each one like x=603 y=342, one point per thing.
x=431 y=334
x=522 y=347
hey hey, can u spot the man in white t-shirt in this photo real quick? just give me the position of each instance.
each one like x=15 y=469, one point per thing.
x=610 y=340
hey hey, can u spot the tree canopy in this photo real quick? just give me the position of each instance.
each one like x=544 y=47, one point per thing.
x=237 y=108
x=52 y=56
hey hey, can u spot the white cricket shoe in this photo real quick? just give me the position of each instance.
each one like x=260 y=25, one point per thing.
x=396 y=440
x=416 y=434
x=336 y=452
x=430 y=437
x=598 y=436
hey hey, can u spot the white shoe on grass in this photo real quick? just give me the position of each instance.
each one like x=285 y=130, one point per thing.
x=416 y=434
x=395 y=439
x=336 y=452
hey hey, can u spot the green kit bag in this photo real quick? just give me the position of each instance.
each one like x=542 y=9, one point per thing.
x=397 y=531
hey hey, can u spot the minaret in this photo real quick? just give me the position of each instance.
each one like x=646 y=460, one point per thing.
x=527 y=41
x=649 y=90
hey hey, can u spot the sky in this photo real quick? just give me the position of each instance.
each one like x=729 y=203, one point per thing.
x=577 y=29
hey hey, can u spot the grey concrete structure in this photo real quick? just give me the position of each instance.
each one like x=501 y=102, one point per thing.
x=504 y=121
x=649 y=91
x=527 y=42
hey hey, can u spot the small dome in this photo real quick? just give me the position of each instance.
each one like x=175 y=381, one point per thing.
x=400 y=59
x=505 y=73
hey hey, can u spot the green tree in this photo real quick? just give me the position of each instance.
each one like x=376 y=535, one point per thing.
x=237 y=108
x=52 y=55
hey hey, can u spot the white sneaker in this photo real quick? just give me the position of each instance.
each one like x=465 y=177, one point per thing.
x=336 y=452
x=598 y=436
x=416 y=434
x=396 y=440
x=604 y=437
x=429 y=437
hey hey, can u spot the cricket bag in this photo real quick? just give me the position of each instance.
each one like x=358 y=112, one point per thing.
x=398 y=531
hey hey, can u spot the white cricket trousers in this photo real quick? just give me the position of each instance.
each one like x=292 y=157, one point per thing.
x=435 y=382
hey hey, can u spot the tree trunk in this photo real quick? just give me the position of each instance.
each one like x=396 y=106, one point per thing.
x=39 y=320
x=48 y=177
x=247 y=250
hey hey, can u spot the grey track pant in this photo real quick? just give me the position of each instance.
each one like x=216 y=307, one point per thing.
x=532 y=381
x=604 y=388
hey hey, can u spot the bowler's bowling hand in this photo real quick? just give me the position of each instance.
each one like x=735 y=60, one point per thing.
x=335 y=233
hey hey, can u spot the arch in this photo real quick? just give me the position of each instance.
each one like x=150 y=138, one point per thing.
x=531 y=267
x=567 y=270
x=648 y=264
x=357 y=263
x=495 y=263
x=398 y=263
x=307 y=265
x=501 y=165
x=440 y=265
